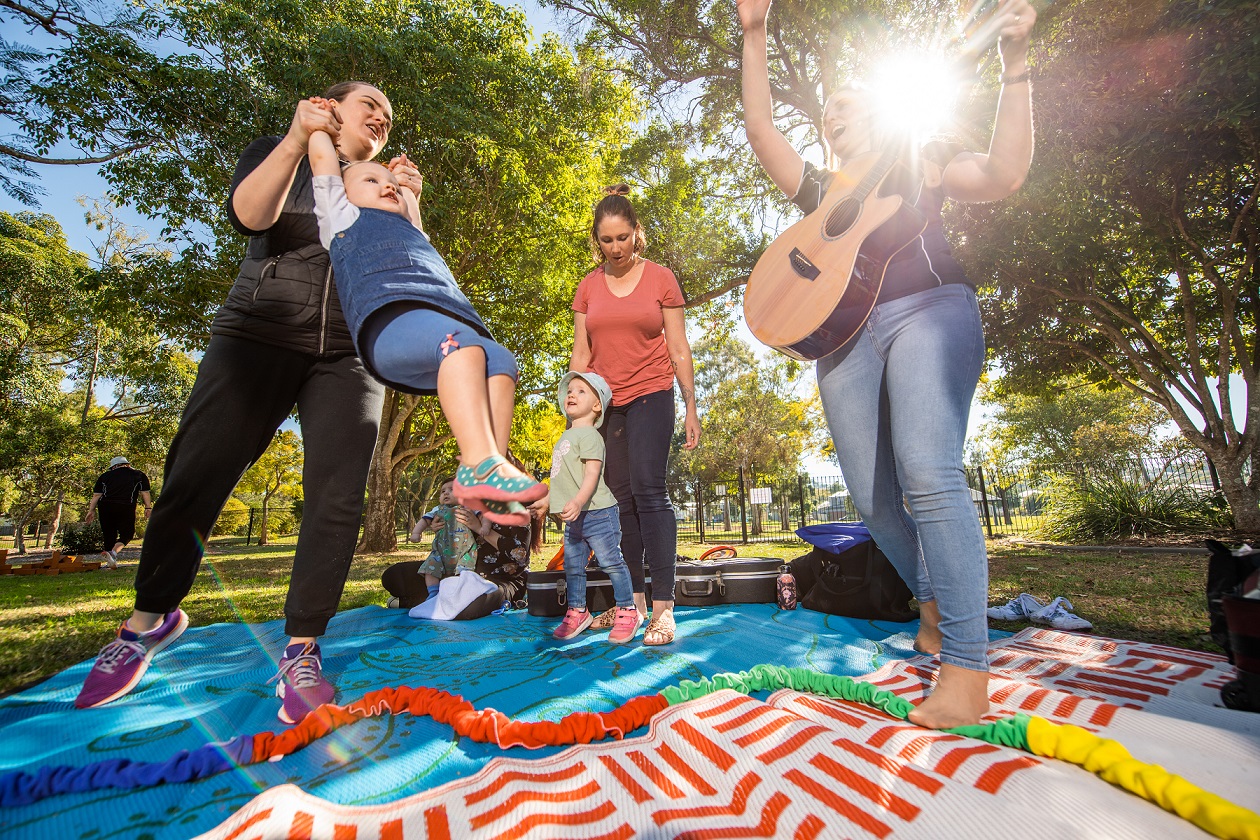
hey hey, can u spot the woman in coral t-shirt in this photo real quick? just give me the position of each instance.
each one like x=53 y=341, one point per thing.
x=628 y=326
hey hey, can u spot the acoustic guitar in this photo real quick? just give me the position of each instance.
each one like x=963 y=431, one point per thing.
x=816 y=284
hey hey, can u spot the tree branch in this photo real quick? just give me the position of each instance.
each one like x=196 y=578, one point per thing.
x=30 y=158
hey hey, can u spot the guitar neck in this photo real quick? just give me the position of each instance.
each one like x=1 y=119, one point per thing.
x=877 y=172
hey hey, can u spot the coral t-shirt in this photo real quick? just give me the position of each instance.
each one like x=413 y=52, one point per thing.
x=627 y=334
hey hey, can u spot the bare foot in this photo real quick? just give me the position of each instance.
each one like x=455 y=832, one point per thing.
x=929 y=638
x=960 y=698
x=640 y=604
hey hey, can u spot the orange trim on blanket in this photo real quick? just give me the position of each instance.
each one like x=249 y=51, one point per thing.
x=485 y=726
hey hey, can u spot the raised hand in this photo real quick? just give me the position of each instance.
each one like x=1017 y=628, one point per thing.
x=314 y=114
x=407 y=174
x=752 y=12
x=1017 y=19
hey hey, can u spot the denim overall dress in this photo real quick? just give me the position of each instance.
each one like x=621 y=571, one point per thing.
x=382 y=259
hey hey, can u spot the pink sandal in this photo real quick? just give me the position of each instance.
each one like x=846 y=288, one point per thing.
x=485 y=482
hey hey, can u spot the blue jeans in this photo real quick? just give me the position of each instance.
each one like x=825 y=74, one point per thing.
x=636 y=438
x=896 y=398
x=598 y=531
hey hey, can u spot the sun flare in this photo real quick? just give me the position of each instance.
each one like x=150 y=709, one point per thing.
x=915 y=93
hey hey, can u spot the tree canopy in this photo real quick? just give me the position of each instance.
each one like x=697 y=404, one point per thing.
x=515 y=137
x=1130 y=253
x=750 y=412
x=1129 y=257
x=62 y=332
x=1071 y=421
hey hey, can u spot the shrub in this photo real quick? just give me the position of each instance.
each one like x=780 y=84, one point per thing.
x=281 y=522
x=1033 y=503
x=80 y=538
x=1106 y=506
x=232 y=519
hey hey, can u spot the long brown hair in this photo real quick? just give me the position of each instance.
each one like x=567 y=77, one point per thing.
x=341 y=90
x=614 y=204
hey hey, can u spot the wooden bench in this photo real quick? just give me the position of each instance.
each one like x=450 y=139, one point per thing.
x=56 y=564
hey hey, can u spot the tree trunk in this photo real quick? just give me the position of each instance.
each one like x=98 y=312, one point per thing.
x=56 y=522
x=409 y=428
x=379 y=534
x=1243 y=498
x=262 y=523
x=19 y=538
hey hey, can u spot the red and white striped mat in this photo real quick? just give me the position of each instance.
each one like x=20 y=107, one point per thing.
x=802 y=766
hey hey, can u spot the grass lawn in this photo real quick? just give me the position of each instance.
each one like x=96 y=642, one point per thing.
x=50 y=623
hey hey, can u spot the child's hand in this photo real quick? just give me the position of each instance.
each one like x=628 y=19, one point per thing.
x=314 y=114
x=571 y=511
x=407 y=174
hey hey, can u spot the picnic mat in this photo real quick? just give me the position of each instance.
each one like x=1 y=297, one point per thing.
x=777 y=763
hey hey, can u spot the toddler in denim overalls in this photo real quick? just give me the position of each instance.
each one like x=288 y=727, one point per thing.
x=413 y=327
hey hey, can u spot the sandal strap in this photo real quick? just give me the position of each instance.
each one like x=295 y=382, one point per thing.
x=661 y=626
x=489 y=465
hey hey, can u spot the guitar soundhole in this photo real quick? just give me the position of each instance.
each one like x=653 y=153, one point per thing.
x=842 y=217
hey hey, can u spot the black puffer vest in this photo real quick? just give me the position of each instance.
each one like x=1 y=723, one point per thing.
x=284 y=294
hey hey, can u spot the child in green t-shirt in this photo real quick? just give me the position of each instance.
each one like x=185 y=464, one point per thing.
x=588 y=508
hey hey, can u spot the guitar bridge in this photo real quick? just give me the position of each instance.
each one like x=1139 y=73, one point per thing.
x=802 y=266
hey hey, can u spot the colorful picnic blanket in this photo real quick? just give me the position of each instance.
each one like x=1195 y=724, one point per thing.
x=785 y=764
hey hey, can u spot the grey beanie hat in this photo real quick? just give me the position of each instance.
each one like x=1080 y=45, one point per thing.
x=121 y=459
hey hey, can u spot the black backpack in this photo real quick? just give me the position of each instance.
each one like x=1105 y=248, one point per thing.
x=858 y=582
x=1234 y=620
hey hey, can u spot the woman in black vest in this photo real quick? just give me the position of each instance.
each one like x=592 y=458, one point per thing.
x=278 y=342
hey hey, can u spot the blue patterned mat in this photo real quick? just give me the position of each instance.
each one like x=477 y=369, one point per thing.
x=212 y=685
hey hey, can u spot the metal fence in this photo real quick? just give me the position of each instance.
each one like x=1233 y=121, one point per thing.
x=1010 y=500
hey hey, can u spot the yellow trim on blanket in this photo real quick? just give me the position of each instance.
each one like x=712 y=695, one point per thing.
x=1112 y=763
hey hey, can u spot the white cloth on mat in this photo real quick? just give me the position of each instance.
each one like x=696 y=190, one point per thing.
x=454 y=594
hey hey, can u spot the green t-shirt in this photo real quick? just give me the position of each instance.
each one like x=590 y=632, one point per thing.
x=576 y=446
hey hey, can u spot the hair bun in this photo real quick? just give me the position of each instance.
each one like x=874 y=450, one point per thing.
x=617 y=189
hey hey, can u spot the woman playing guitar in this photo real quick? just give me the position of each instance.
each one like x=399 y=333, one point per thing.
x=897 y=394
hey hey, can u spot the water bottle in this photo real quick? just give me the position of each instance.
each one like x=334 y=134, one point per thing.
x=785 y=588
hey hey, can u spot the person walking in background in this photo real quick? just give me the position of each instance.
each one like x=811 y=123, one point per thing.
x=896 y=394
x=279 y=341
x=114 y=498
x=629 y=327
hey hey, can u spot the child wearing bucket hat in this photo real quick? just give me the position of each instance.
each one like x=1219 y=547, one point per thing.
x=588 y=508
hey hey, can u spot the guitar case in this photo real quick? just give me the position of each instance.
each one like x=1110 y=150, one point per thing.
x=546 y=593
x=737 y=580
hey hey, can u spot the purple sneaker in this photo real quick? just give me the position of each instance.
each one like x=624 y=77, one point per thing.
x=121 y=663
x=300 y=682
